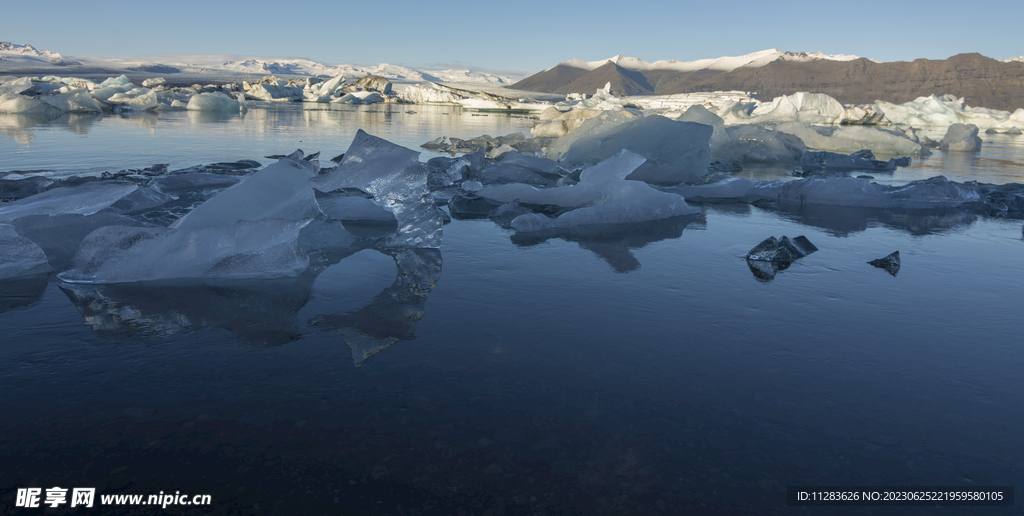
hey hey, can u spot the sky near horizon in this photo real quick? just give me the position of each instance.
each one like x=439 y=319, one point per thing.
x=528 y=35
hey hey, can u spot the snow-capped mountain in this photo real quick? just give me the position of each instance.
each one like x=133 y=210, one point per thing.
x=14 y=57
x=721 y=64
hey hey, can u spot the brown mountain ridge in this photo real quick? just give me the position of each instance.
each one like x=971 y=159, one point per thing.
x=980 y=80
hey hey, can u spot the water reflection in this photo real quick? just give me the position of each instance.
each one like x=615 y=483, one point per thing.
x=393 y=314
x=212 y=117
x=20 y=292
x=259 y=313
x=615 y=243
x=844 y=221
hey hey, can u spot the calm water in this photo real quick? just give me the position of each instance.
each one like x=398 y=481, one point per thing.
x=642 y=370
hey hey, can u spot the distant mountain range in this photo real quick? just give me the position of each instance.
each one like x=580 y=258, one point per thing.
x=982 y=81
x=25 y=59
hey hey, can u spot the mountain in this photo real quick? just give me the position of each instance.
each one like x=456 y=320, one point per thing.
x=982 y=81
x=26 y=60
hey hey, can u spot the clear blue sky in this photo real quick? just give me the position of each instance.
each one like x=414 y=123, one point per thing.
x=526 y=35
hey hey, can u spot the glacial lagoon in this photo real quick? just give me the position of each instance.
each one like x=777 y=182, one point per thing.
x=643 y=369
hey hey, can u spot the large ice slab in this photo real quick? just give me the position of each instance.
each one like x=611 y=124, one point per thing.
x=675 y=151
x=948 y=110
x=278 y=191
x=934 y=193
x=84 y=199
x=213 y=102
x=15 y=104
x=19 y=256
x=603 y=196
x=397 y=180
x=75 y=101
x=266 y=248
x=849 y=139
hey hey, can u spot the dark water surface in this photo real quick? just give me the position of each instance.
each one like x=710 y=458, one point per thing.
x=639 y=370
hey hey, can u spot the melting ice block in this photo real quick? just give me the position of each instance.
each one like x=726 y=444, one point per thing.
x=603 y=196
x=19 y=256
x=397 y=180
x=676 y=151
x=213 y=102
x=78 y=101
x=84 y=199
x=15 y=104
x=756 y=144
x=278 y=191
x=265 y=248
x=934 y=193
x=847 y=139
x=961 y=138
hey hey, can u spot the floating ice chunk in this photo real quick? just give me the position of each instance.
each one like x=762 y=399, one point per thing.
x=813 y=108
x=278 y=191
x=862 y=160
x=192 y=182
x=782 y=250
x=961 y=138
x=84 y=199
x=397 y=180
x=19 y=256
x=556 y=123
x=213 y=102
x=603 y=196
x=516 y=167
x=17 y=86
x=675 y=151
x=121 y=80
x=945 y=111
x=890 y=263
x=60 y=235
x=472 y=186
x=76 y=101
x=15 y=104
x=699 y=114
x=153 y=83
x=847 y=139
x=345 y=207
x=756 y=144
x=265 y=248
x=933 y=193
x=732 y=189
x=139 y=99
x=359 y=97
x=324 y=91
x=276 y=91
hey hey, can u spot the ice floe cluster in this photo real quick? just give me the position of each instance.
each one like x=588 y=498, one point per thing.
x=224 y=221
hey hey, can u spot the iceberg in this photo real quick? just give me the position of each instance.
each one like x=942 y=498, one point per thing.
x=213 y=102
x=278 y=191
x=675 y=152
x=359 y=97
x=20 y=256
x=266 y=248
x=397 y=180
x=948 y=110
x=756 y=144
x=603 y=196
x=85 y=199
x=933 y=193
x=848 y=139
x=516 y=167
x=15 y=104
x=138 y=99
x=781 y=250
x=75 y=101
x=961 y=138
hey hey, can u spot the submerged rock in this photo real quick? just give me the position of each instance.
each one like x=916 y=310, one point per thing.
x=890 y=264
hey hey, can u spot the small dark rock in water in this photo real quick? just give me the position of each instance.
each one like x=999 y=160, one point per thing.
x=275 y=156
x=338 y=158
x=1013 y=131
x=890 y=263
x=991 y=131
x=313 y=156
x=782 y=250
x=865 y=177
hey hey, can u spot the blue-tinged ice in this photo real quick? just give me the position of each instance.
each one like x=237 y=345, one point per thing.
x=266 y=248
x=19 y=256
x=397 y=180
